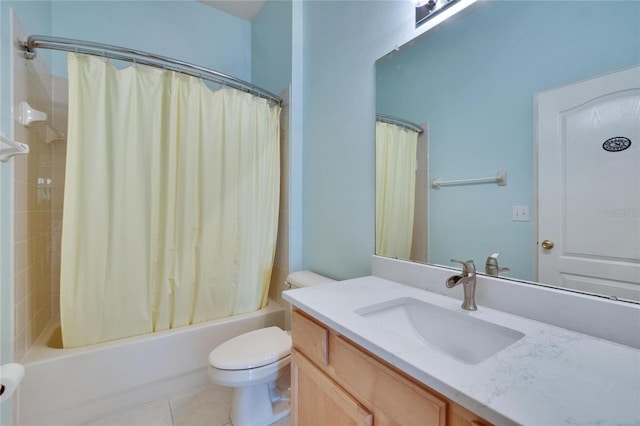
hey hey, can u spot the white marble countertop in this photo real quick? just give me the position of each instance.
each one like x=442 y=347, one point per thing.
x=551 y=376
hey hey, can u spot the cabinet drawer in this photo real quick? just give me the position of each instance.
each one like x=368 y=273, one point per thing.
x=377 y=385
x=310 y=338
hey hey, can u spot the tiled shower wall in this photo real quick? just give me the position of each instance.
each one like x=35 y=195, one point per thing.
x=34 y=200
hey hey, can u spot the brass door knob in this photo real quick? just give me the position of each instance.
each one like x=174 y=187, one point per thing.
x=547 y=244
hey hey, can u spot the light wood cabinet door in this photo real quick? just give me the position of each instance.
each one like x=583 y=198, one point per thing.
x=318 y=400
x=386 y=391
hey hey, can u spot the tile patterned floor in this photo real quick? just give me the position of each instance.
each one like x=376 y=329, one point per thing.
x=206 y=406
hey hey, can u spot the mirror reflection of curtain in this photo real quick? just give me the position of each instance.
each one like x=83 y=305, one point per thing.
x=395 y=189
x=171 y=202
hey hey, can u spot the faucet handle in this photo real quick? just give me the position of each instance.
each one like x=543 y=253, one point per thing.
x=468 y=267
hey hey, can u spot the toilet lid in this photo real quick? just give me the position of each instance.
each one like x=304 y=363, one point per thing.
x=250 y=350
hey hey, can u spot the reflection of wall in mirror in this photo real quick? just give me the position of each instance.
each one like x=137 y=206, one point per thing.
x=476 y=81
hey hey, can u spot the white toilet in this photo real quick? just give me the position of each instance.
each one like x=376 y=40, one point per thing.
x=256 y=365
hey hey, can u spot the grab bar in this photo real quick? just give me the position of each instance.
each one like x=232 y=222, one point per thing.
x=500 y=179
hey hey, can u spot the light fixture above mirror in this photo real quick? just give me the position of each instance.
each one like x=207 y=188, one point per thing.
x=426 y=9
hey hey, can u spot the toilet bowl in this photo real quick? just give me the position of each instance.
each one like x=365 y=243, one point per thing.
x=251 y=364
x=256 y=366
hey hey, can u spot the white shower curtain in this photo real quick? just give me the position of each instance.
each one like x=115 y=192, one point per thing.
x=395 y=189
x=171 y=202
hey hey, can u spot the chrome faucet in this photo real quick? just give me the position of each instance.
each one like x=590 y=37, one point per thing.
x=491 y=266
x=468 y=279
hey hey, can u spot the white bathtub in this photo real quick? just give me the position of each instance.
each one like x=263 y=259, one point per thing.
x=73 y=386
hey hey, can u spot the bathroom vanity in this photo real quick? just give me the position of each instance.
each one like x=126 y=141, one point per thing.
x=374 y=351
x=337 y=382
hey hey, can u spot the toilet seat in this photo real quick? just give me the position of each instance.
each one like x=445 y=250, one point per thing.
x=250 y=376
x=254 y=349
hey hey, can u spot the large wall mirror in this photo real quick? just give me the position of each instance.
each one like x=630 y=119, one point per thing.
x=549 y=94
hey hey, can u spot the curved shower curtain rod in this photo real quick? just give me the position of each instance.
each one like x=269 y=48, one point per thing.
x=139 y=57
x=399 y=122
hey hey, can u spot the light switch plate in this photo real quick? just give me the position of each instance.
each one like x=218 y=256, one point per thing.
x=520 y=214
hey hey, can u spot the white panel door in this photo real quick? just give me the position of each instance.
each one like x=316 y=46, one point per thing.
x=588 y=142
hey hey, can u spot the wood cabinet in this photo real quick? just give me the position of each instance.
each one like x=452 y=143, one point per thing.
x=336 y=382
x=318 y=400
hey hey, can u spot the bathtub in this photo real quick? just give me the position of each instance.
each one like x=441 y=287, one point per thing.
x=73 y=386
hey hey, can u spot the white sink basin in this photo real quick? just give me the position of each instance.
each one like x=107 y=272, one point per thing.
x=457 y=334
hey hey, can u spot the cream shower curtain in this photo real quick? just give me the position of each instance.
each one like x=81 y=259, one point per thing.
x=395 y=189
x=171 y=202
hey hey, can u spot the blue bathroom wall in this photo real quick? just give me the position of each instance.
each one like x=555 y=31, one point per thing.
x=341 y=40
x=185 y=30
x=474 y=83
x=271 y=46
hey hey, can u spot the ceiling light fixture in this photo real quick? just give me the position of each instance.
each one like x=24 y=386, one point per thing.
x=425 y=9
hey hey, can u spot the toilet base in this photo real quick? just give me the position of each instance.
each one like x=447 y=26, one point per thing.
x=259 y=405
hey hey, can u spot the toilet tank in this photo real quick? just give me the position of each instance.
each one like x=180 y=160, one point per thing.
x=305 y=279
x=301 y=279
